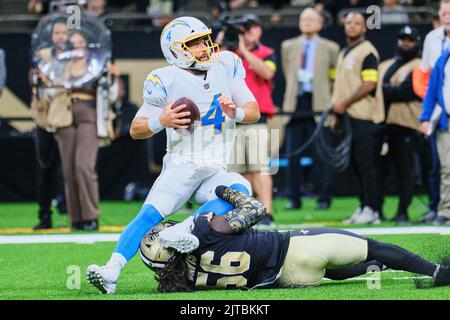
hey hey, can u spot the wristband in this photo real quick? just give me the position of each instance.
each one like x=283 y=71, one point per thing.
x=154 y=125
x=240 y=115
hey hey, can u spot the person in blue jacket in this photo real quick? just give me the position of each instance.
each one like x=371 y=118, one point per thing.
x=438 y=95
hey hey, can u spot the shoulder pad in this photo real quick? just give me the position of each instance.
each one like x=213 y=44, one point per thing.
x=158 y=81
x=233 y=64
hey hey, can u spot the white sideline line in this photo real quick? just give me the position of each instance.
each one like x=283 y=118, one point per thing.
x=60 y=238
x=113 y=237
x=386 y=230
x=401 y=230
x=374 y=278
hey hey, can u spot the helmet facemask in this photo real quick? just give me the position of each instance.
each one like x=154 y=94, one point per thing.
x=152 y=252
x=185 y=50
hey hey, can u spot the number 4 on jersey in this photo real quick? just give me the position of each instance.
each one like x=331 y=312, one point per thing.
x=214 y=115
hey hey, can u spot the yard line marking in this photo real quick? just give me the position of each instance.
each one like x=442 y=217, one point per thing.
x=113 y=237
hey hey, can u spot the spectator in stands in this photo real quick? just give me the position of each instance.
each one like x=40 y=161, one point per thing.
x=250 y=153
x=128 y=5
x=392 y=13
x=231 y=5
x=44 y=101
x=402 y=109
x=436 y=42
x=38 y=6
x=334 y=6
x=308 y=65
x=2 y=71
x=47 y=6
x=354 y=94
x=96 y=8
x=435 y=57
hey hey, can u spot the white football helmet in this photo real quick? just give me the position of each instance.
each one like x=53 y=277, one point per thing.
x=152 y=252
x=175 y=37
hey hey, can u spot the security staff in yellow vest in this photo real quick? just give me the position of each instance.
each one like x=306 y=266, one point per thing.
x=355 y=94
x=402 y=108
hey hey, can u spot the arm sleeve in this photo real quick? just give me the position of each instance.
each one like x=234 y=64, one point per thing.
x=284 y=58
x=369 y=70
x=149 y=111
x=238 y=72
x=425 y=66
x=431 y=96
x=241 y=94
x=248 y=211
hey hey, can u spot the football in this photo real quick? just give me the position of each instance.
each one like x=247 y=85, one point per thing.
x=194 y=116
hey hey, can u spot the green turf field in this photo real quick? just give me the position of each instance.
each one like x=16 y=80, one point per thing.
x=36 y=271
x=119 y=213
x=53 y=271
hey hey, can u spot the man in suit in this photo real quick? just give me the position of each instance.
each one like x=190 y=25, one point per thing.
x=308 y=63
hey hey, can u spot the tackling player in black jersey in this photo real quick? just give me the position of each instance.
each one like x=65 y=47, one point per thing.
x=224 y=252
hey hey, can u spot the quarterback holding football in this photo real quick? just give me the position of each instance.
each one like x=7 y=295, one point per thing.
x=198 y=99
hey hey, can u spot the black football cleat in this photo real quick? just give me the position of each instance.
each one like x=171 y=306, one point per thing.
x=442 y=276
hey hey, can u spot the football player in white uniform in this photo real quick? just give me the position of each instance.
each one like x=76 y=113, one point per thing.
x=194 y=163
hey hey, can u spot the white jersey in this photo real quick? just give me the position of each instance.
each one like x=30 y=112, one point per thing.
x=212 y=140
x=436 y=42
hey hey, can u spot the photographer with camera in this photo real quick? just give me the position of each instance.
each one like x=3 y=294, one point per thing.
x=242 y=36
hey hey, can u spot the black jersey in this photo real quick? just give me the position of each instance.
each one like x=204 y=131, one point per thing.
x=244 y=260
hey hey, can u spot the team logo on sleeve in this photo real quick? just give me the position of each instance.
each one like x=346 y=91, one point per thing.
x=153 y=81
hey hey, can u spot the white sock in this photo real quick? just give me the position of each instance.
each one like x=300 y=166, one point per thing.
x=117 y=260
